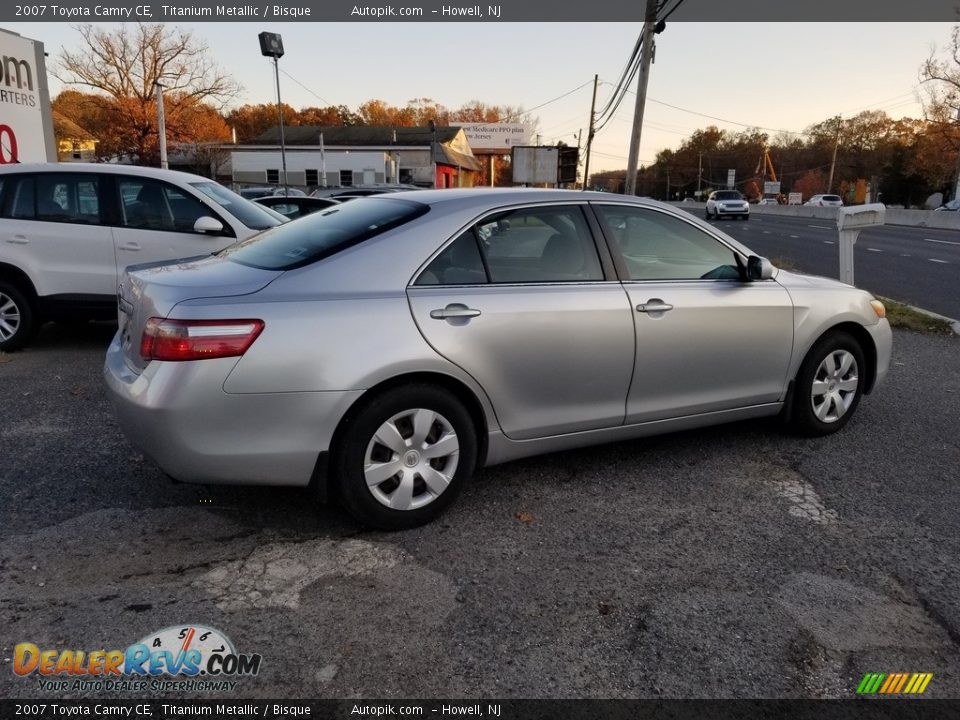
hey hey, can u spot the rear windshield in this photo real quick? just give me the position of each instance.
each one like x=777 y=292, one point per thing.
x=727 y=195
x=253 y=216
x=831 y=198
x=323 y=233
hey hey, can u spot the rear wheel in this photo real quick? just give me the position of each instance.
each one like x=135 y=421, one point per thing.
x=17 y=318
x=405 y=456
x=829 y=385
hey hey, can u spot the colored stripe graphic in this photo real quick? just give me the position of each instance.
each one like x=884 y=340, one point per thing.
x=894 y=683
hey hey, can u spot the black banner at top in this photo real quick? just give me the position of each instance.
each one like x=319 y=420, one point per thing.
x=174 y=11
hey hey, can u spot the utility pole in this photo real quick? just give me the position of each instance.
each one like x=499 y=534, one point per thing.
x=699 y=172
x=646 y=56
x=833 y=162
x=161 y=126
x=586 y=163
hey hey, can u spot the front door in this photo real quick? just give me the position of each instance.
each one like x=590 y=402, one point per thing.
x=707 y=340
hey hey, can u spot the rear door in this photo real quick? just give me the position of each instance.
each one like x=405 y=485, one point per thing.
x=53 y=229
x=523 y=302
x=156 y=222
x=707 y=340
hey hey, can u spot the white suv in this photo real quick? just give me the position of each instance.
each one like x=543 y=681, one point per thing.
x=727 y=203
x=825 y=201
x=67 y=231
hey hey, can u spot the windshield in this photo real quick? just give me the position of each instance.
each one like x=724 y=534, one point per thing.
x=728 y=195
x=323 y=233
x=253 y=216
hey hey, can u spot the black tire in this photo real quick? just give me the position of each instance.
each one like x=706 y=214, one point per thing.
x=746 y=217
x=18 y=322
x=357 y=437
x=805 y=419
x=706 y=213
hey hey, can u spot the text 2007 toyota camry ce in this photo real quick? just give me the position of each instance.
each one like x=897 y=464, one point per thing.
x=386 y=348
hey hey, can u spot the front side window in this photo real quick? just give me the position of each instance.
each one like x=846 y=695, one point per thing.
x=658 y=246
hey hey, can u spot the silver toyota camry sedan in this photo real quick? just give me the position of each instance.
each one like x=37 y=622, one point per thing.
x=384 y=349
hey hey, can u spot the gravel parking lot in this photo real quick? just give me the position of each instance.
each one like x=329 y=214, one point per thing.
x=732 y=562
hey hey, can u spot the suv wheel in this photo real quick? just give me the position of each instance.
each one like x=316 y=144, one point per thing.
x=17 y=322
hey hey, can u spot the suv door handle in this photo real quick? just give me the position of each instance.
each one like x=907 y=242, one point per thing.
x=18 y=240
x=130 y=246
x=654 y=305
x=454 y=310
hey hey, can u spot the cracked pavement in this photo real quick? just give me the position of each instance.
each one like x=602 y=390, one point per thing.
x=731 y=562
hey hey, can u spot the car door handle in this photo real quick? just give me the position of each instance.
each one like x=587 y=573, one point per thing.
x=130 y=246
x=17 y=240
x=454 y=310
x=654 y=305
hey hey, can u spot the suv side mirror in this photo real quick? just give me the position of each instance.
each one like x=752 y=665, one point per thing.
x=759 y=268
x=208 y=225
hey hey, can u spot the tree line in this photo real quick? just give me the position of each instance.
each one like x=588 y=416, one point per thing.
x=905 y=159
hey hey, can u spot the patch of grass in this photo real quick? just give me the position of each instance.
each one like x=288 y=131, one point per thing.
x=905 y=317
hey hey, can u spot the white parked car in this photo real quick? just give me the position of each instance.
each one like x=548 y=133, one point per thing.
x=952 y=206
x=727 y=203
x=68 y=231
x=825 y=201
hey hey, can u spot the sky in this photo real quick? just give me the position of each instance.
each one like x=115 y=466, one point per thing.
x=776 y=76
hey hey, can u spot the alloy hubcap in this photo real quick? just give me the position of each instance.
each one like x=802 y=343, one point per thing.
x=411 y=459
x=9 y=317
x=834 y=386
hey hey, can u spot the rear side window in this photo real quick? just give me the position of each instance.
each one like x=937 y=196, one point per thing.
x=54 y=197
x=549 y=244
x=323 y=233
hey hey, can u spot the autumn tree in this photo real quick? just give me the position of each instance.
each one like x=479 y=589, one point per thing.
x=940 y=80
x=124 y=64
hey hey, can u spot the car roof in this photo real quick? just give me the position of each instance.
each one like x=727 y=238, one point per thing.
x=108 y=168
x=470 y=197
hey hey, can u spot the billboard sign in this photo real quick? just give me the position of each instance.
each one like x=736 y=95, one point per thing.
x=731 y=179
x=771 y=188
x=495 y=138
x=26 y=120
x=535 y=165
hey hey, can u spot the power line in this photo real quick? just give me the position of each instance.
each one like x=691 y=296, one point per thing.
x=548 y=102
x=330 y=104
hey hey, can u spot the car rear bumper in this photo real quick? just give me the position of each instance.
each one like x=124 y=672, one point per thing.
x=178 y=414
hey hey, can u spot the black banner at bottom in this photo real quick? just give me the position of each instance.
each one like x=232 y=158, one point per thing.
x=885 y=709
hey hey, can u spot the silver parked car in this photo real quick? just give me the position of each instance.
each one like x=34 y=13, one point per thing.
x=386 y=348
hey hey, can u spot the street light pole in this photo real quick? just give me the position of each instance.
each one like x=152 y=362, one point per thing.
x=271 y=45
x=161 y=125
x=283 y=145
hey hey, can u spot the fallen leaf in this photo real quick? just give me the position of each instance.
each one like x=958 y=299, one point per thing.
x=524 y=517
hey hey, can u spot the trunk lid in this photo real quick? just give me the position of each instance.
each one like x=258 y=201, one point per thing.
x=154 y=289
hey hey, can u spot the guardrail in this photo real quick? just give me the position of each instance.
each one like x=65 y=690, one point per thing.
x=894 y=216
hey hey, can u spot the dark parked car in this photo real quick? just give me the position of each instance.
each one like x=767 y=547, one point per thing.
x=294 y=207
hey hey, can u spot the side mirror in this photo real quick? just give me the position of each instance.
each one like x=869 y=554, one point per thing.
x=759 y=268
x=208 y=225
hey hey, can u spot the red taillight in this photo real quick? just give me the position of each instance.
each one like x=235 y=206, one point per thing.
x=197 y=339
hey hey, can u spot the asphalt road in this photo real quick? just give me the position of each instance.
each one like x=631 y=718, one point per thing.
x=732 y=562
x=918 y=266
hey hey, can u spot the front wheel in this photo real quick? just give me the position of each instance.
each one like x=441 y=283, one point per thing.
x=829 y=385
x=17 y=320
x=405 y=456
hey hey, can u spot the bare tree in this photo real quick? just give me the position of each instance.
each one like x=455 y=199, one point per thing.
x=124 y=64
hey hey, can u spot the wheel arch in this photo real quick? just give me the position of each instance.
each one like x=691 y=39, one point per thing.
x=14 y=275
x=859 y=333
x=322 y=482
